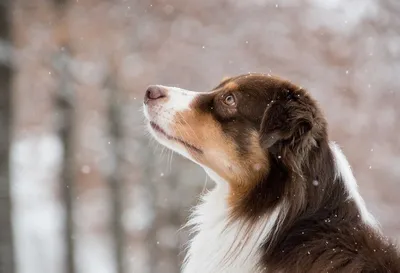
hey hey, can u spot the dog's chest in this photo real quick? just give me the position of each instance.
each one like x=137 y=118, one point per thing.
x=218 y=248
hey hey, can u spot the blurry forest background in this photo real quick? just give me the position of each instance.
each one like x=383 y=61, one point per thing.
x=87 y=192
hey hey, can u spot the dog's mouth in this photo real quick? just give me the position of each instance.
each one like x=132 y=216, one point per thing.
x=161 y=131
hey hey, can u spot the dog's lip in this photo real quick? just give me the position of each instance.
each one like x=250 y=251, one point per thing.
x=160 y=130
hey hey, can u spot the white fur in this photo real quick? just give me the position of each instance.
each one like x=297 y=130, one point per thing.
x=178 y=100
x=343 y=170
x=212 y=248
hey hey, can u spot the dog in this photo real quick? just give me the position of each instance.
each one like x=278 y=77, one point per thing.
x=285 y=199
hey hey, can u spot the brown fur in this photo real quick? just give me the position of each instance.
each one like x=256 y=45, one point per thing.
x=270 y=147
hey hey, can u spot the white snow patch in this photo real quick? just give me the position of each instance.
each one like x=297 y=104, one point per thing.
x=37 y=211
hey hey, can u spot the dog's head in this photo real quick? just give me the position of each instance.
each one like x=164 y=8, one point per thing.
x=240 y=128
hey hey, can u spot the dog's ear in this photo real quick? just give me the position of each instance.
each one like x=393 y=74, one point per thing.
x=287 y=121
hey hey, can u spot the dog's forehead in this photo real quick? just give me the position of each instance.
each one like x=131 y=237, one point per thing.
x=252 y=85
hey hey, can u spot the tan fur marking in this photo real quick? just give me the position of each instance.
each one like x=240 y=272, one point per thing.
x=221 y=154
x=231 y=86
x=254 y=165
x=202 y=131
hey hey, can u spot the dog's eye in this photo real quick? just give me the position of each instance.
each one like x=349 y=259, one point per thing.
x=230 y=100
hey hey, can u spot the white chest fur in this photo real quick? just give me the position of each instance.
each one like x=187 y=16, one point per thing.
x=218 y=248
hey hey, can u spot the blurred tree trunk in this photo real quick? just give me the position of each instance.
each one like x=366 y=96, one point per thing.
x=65 y=123
x=115 y=175
x=66 y=116
x=6 y=237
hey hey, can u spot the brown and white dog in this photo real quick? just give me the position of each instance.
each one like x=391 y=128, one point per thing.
x=285 y=198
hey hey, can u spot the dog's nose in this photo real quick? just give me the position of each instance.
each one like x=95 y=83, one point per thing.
x=155 y=92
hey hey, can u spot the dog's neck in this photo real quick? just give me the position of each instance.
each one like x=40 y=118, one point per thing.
x=220 y=245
